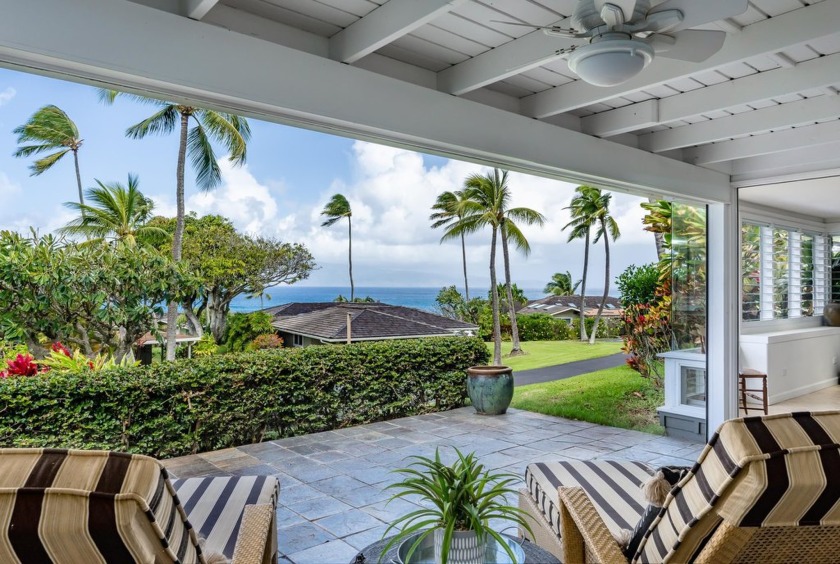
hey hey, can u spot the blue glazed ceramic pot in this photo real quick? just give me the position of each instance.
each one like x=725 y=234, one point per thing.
x=490 y=388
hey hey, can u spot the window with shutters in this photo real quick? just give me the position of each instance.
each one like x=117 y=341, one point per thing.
x=785 y=273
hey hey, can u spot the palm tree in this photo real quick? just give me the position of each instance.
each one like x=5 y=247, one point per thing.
x=488 y=197
x=561 y=284
x=118 y=212
x=607 y=227
x=230 y=130
x=450 y=207
x=583 y=209
x=50 y=129
x=338 y=208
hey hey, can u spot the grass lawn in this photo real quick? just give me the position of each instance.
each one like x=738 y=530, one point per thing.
x=618 y=397
x=548 y=353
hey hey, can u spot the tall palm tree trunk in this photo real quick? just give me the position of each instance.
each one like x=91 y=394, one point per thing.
x=350 y=255
x=606 y=286
x=494 y=298
x=583 y=288
x=177 y=238
x=79 y=182
x=516 y=349
x=464 y=260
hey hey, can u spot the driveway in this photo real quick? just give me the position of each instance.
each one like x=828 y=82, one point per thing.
x=561 y=371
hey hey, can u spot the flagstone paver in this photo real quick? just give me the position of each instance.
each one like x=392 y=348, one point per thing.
x=332 y=484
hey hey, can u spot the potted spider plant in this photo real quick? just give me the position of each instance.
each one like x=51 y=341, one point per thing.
x=464 y=497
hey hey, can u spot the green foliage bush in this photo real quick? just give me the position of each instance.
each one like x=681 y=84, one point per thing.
x=214 y=402
x=638 y=284
x=608 y=328
x=242 y=328
x=544 y=327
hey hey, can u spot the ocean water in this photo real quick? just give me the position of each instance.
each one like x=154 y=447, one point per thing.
x=420 y=298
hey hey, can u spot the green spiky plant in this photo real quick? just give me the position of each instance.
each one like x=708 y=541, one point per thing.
x=464 y=497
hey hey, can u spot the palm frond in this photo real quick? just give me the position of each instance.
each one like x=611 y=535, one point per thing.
x=161 y=122
x=203 y=159
x=230 y=130
x=108 y=97
x=515 y=235
x=337 y=208
x=44 y=164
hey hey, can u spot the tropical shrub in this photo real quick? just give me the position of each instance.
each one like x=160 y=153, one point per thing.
x=266 y=341
x=638 y=284
x=609 y=328
x=544 y=327
x=60 y=359
x=242 y=328
x=21 y=365
x=208 y=403
x=205 y=346
x=647 y=333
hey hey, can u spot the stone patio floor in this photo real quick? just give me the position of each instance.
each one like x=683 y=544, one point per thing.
x=332 y=484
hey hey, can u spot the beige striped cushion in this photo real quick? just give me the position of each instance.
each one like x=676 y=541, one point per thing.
x=90 y=506
x=780 y=470
x=215 y=506
x=612 y=485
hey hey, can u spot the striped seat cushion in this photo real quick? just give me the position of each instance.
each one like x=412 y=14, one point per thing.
x=90 y=506
x=772 y=471
x=612 y=485
x=214 y=506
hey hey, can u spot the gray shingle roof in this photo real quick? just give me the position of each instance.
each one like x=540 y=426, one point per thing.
x=370 y=321
x=557 y=304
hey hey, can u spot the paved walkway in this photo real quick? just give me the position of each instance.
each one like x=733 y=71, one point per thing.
x=332 y=484
x=561 y=371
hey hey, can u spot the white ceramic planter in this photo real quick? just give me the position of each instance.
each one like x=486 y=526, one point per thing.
x=464 y=548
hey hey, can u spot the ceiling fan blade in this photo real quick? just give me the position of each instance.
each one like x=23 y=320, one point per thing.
x=701 y=12
x=627 y=6
x=693 y=45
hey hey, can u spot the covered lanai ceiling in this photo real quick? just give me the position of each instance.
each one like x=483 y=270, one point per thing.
x=763 y=109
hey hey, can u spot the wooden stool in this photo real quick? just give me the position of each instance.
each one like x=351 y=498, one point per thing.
x=747 y=374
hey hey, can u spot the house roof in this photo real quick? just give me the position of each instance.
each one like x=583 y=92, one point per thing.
x=149 y=339
x=555 y=305
x=369 y=321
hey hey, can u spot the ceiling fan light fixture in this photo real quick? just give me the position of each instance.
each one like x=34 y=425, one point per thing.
x=610 y=62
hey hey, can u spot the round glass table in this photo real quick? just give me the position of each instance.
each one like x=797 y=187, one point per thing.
x=370 y=554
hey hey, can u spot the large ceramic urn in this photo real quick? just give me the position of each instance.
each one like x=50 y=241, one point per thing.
x=490 y=388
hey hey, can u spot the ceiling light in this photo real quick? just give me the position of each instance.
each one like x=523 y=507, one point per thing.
x=608 y=61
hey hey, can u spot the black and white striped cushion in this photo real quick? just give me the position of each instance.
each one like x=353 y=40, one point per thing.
x=214 y=506
x=612 y=485
x=90 y=506
x=780 y=470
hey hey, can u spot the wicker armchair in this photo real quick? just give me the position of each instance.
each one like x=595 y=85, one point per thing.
x=765 y=489
x=71 y=506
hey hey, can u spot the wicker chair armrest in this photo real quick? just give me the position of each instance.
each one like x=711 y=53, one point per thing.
x=257 y=538
x=583 y=533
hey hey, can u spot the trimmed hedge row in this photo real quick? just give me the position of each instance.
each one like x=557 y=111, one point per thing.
x=209 y=403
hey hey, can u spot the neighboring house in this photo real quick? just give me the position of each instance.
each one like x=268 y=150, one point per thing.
x=145 y=343
x=302 y=324
x=567 y=308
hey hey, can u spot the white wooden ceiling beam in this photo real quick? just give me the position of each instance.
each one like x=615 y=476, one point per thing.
x=755 y=122
x=175 y=58
x=622 y=120
x=769 y=143
x=816 y=73
x=197 y=9
x=767 y=36
x=388 y=22
x=795 y=164
x=514 y=57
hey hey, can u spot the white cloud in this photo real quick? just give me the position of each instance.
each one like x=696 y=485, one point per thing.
x=391 y=193
x=7 y=95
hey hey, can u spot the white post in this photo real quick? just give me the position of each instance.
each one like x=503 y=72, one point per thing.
x=349 y=325
x=723 y=310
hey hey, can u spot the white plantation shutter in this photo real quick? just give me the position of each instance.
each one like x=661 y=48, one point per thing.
x=794 y=269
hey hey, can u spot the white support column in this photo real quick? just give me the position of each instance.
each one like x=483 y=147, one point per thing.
x=722 y=311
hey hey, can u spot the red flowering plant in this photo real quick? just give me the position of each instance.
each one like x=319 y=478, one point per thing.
x=647 y=333
x=21 y=365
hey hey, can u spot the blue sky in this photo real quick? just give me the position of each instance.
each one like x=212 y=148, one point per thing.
x=289 y=176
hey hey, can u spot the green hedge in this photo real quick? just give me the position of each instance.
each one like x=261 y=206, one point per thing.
x=215 y=402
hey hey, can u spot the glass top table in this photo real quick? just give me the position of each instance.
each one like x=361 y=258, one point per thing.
x=370 y=554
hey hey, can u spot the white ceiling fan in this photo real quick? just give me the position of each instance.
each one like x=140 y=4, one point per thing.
x=611 y=41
